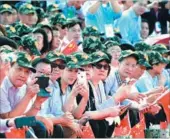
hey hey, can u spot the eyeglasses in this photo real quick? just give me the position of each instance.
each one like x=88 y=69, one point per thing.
x=100 y=66
x=61 y=66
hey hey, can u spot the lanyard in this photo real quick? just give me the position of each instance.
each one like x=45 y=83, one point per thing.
x=120 y=82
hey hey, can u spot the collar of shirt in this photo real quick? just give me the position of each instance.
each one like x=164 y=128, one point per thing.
x=8 y=82
x=132 y=13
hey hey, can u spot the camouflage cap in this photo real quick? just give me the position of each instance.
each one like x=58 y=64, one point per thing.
x=72 y=62
x=6 y=49
x=58 y=19
x=83 y=58
x=10 y=30
x=91 y=31
x=143 y=59
x=27 y=8
x=161 y=48
x=52 y=56
x=142 y=46
x=38 y=60
x=30 y=43
x=156 y=58
x=115 y=38
x=99 y=56
x=22 y=29
x=90 y=45
x=6 y=8
x=110 y=44
x=53 y=7
x=128 y=53
x=45 y=25
x=25 y=60
x=40 y=13
x=70 y=22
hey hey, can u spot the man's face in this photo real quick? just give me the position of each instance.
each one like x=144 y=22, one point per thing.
x=140 y=7
x=100 y=70
x=43 y=69
x=127 y=67
x=28 y=19
x=74 y=33
x=69 y=75
x=159 y=68
x=145 y=30
x=63 y=31
x=6 y=18
x=138 y=72
x=89 y=71
x=18 y=75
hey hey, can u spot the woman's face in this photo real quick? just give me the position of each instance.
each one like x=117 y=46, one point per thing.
x=115 y=52
x=49 y=34
x=56 y=39
x=100 y=70
x=89 y=71
x=39 y=37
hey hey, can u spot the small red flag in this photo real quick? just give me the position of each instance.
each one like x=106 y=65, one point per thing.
x=87 y=132
x=70 y=48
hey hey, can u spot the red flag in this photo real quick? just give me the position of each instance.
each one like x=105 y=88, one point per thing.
x=70 y=48
x=87 y=132
x=124 y=128
x=138 y=130
x=16 y=133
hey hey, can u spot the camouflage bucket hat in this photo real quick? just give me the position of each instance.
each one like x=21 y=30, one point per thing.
x=128 y=53
x=161 y=48
x=99 y=56
x=91 y=31
x=22 y=29
x=53 y=7
x=6 y=8
x=143 y=59
x=38 y=60
x=27 y=8
x=83 y=58
x=58 y=19
x=110 y=44
x=156 y=58
x=44 y=25
x=52 y=56
x=72 y=62
x=10 y=30
x=142 y=46
x=31 y=43
x=70 y=22
x=24 y=60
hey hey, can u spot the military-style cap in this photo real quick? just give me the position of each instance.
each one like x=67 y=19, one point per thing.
x=45 y=25
x=91 y=31
x=128 y=53
x=72 y=62
x=6 y=8
x=10 y=30
x=53 y=7
x=27 y=8
x=110 y=43
x=83 y=58
x=52 y=56
x=38 y=60
x=90 y=45
x=126 y=46
x=142 y=46
x=161 y=48
x=143 y=59
x=99 y=56
x=115 y=38
x=156 y=58
x=6 y=49
x=70 y=22
x=22 y=29
x=30 y=43
x=58 y=19
x=40 y=13
x=24 y=60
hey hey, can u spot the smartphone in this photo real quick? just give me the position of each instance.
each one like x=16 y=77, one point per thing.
x=81 y=77
x=43 y=82
x=25 y=121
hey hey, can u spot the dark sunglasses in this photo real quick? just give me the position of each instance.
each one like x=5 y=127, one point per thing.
x=61 y=66
x=100 y=66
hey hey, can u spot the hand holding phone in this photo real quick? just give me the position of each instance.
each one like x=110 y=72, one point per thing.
x=25 y=121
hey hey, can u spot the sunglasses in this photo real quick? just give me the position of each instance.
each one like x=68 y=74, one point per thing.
x=61 y=66
x=100 y=66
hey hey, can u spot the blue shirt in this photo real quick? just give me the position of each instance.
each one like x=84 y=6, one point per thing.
x=167 y=76
x=129 y=25
x=52 y=107
x=103 y=16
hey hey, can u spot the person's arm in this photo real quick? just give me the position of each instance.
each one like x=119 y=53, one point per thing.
x=93 y=9
x=115 y=6
x=167 y=6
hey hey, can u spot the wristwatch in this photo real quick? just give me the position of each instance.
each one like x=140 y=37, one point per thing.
x=7 y=123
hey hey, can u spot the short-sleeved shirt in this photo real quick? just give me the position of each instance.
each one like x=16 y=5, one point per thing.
x=129 y=25
x=102 y=17
x=53 y=106
x=10 y=96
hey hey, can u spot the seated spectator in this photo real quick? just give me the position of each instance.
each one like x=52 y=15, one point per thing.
x=144 y=29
